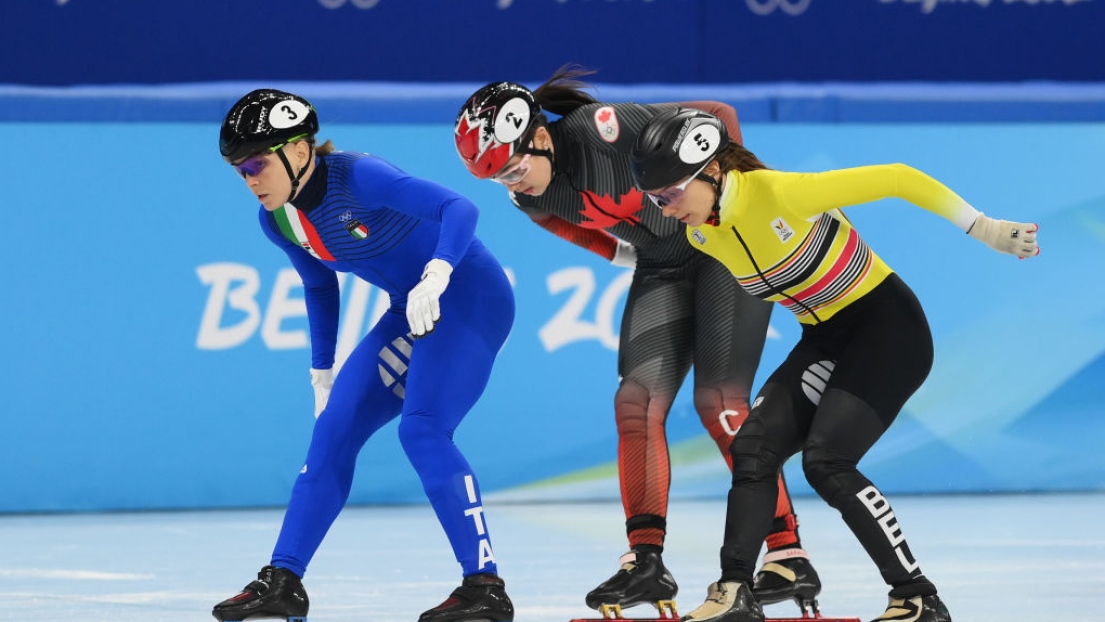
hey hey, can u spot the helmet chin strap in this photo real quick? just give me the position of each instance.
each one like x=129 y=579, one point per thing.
x=547 y=153
x=527 y=149
x=291 y=175
x=715 y=212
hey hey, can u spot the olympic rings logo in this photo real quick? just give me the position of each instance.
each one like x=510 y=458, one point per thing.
x=360 y=4
x=767 y=7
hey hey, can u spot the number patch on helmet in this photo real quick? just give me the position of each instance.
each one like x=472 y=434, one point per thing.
x=512 y=121
x=287 y=114
x=699 y=144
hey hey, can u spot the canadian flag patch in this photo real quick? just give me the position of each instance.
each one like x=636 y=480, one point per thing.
x=606 y=122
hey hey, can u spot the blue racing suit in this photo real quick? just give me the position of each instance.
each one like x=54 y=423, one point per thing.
x=358 y=213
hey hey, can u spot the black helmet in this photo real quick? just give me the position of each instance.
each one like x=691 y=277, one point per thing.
x=264 y=119
x=493 y=125
x=674 y=145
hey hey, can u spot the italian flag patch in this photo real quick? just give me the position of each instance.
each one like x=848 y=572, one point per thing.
x=357 y=229
x=295 y=226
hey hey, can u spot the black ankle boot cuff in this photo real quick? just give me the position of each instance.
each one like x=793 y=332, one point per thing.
x=918 y=587
x=484 y=578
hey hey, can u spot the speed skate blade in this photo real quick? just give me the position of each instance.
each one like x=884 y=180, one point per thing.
x=613 y=613
x=620 y=619
x=817 y=619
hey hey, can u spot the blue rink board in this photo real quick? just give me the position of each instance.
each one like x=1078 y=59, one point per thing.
x=396 y=103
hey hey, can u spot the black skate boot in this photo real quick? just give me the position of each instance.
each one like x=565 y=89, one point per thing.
x=727 y=601
x=915 y=609
x=277 y=593
x=791 y=577
x=641 y=579
x=480 y=597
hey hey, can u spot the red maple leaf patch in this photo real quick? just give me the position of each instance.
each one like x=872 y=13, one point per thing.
x=601 y=211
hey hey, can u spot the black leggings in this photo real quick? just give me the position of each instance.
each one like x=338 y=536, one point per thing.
x=837 y=392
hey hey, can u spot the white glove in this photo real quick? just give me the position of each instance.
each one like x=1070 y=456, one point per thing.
x=322 y=380
x=1012 y=238
x=423 y=310
x=625 y=255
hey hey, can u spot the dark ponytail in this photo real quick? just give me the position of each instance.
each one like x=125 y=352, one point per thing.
x=563 y=92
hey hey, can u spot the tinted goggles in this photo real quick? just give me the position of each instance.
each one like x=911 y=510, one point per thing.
x=513 y=174
x=253 y=165
x=673 y=195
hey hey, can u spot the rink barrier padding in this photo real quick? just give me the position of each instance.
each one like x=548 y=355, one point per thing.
x=402 y=103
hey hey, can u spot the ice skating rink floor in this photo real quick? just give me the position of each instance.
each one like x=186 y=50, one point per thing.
x=995 y=558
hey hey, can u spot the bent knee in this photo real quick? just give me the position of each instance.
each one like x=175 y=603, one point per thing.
x=415 y=431
x=637 y=408
x=833 y=477
x=753 y=457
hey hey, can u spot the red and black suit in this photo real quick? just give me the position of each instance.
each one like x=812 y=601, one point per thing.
x=683 y=309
